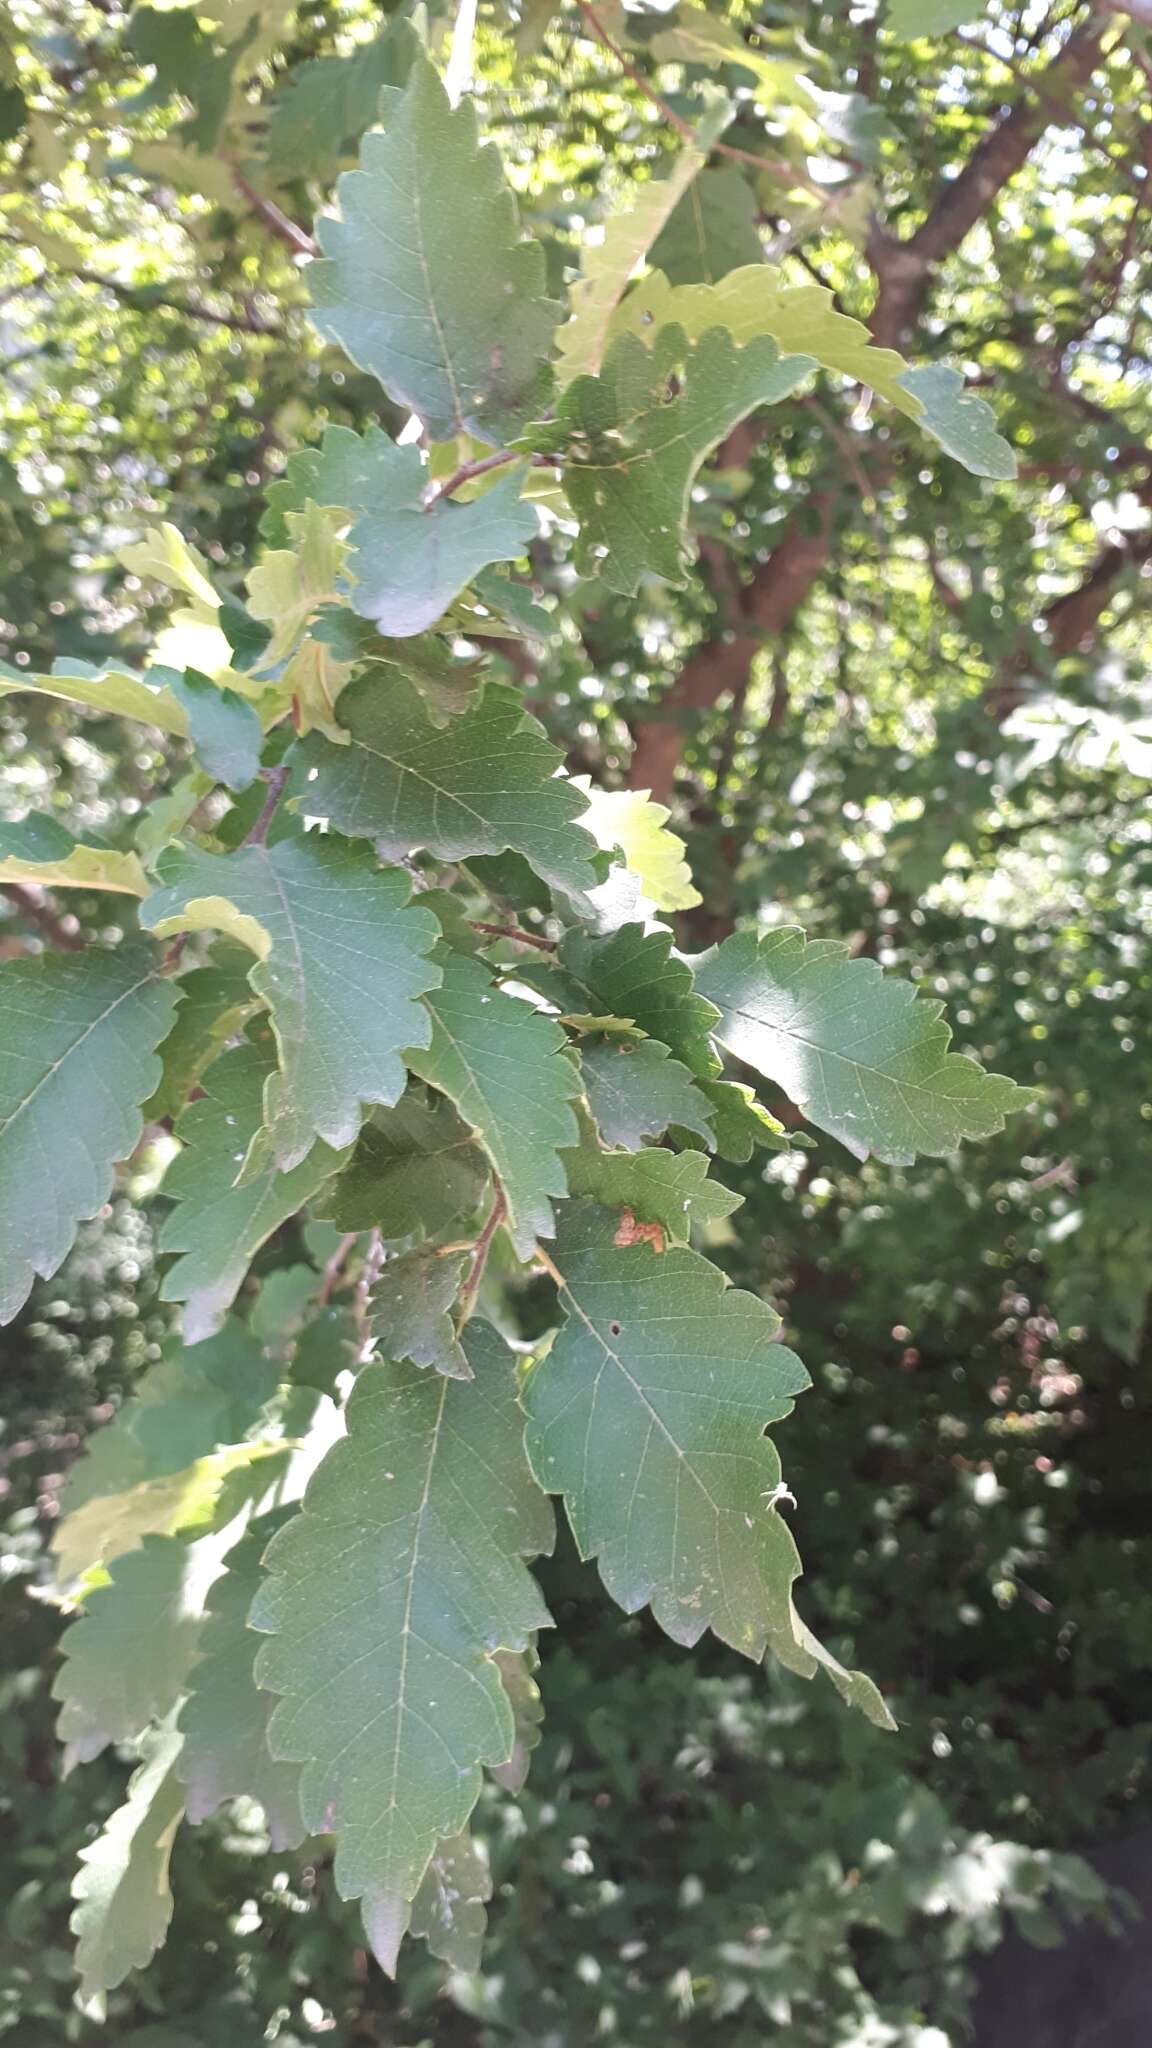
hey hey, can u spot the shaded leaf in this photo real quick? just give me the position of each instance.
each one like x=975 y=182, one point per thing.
x=341 y=956
x=712 y=231
x=964 y=424
x=517 y=1670
x=853 y=1048
x=668 y=1188
x=446 y=684
x=124 y=1903
x=410 y=1311
x=416 y=1170
x=214 y=1003
x=331 y=100
x=411 y=559
x=125 y=1659
x=636 y=1091
x=636 y=974
x=78 y=1034
x=38 y=849
x=740 y=1122
x=505 y=1067
x=385 y=1597
x=447 y=1912
x=223 y=727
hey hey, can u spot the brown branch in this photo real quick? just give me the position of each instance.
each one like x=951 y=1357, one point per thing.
x=466 y=472
x=1070 y=623
x=513 y=931
x=471 y=1287
x=276 y=778
x=762 y=610
x=285 y=230
x=904 y=268
x=37 y=907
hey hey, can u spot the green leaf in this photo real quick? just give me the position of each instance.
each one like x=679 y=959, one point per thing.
x=38 y=849
x=78 y=1034
x=217 y=1226
x=112 y=690
x=446 y=684
x=224 y=1721
x=124 y=1904
x=628 y=236
x=289 y=584
x=427 y=283
x=636 y=974
x=636 y=1091
x=415 y=1171
x=631 y=453
x=165 y=557
x=740 y=1122
x=630 y=820
x=214 y=1004
x=648 y=1414
x=223 y=727
x=386 y=1596
x=412 y=559
x=330 y=101
x=505 y=1067
x=964 y=425
x=668 y=1188
x=343 y=471
x=712 y=231
x=341 y=954
x=698 y=37
x=410 y=1317
x=517 y=1669
x=125 y=1659
x=447 y=1912
x=484 y=783
x=856 y=1051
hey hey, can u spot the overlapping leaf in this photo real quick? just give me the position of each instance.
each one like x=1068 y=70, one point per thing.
x=385 y=1599
x=504 y=1066
x=214 y=1003
x=342 y=963
x=426 y=281
x=410 y=1311
x=216 y=1225
x=78 y=1034
x=638 y=1091
x=671 y=1189
x=38 y=849
x=448 y=1911
x=629 y=821
x=855 y=1049
x=416 y=1170
x=637 y=974
x=648 y=1414
x=485 y=782
x=124 y=1903
x=126 y=1658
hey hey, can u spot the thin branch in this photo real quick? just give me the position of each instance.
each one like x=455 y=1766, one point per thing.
x=465 y=474
x=37 y=906
x=144 y=298
x=369 y=1274
x=513 y=931
x=471 y=1287
x=285 y=230
x=276 y=778
x=333 y=1271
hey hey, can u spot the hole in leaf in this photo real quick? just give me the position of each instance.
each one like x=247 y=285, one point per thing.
x=614 y=1329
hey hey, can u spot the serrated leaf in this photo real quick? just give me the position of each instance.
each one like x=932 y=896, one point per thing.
x=484 y=783
x=628 y=236
x=412 y=559
x=504 y=1065
x=112 y=690
x=446 y=684
x=712 y=231
x=630 y=820
x=426 y=281
x=224 y=1721
x=637 y=1091
x=125 y=1659
x=328 y=1345
x=636 y=973
x=78 y=1034
x=740 y=1122
x=668 y=1188
x=165 y=557
x=410 y=1317
x=856 y=1050
x=648 y=1414
x=416 y=1170
x=341 y=954
x=140 y=1472
x=330 y=101
x=631 y=452
x=217 y=1226
x=341 y=471
x=517 y=1670
x=964 y=424
x=447 y=1912
x=38 y=849
x=214 y=1003
x=289 y=584
x=223 y=727
x=386 y=1596
x=124 y=1904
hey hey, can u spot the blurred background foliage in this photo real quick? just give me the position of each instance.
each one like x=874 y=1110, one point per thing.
x=903 y=706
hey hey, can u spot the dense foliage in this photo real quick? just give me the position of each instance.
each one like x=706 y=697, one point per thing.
x=448 y=661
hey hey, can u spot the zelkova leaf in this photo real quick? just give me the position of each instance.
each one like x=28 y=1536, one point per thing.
x=126 y=1657
x=713 y=230
x=214 y=1003
x=325 y=102
x=124 y=1903
x=856 y=1050
x=648 y=1414
x=631 y=452
x=483 y=783
x=448 y=1911
x=505 y=1067
x=224 y=1720
x=216 y=1225
x=416 y=1170
x=341 y=955
x=517 y=1670
x=447 y=684
x=638 y=1091
x=410 y=1316
x=78 y=1034
x=111 y=690
x=38 y=849
x=671 y=1189
x=386 y=1597
x=636 y=974
x=427 y=283
x=628 y=235
x=629 y=820
x=224 y=727
x=962 y=422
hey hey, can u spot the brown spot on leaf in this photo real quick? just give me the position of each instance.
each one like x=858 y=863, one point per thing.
x=629 y=1231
